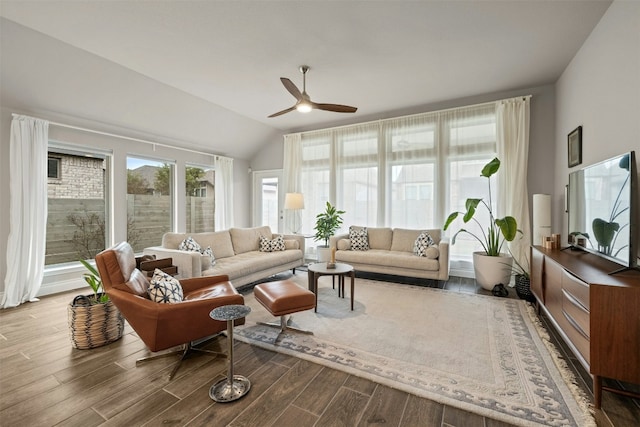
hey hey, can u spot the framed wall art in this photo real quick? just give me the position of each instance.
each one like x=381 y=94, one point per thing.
x=574 y=141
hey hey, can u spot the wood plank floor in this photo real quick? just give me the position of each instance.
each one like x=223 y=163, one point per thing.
x=45 y=382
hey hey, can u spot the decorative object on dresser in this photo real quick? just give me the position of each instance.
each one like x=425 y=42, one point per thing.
x=491 y=265
x=596 y=313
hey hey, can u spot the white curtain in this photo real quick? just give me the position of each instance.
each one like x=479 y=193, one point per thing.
x=224 y=192
x=512 y=126
x=292 y=167
x=28 y=210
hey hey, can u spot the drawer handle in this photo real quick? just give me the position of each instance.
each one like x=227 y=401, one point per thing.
x=575 y=324
x=575 y=301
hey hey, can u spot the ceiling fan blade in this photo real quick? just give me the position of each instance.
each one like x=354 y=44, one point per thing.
x=293 y=89
x=335 y=108
x=279 y=113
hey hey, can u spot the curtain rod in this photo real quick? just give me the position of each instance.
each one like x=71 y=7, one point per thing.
x=129 y=138
x=523 y=97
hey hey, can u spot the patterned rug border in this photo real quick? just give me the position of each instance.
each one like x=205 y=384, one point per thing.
x=582 y=410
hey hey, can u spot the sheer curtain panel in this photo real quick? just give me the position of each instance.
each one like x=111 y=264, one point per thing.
x=224 y=192
x=292 y=165
x=512 y=126
x=28 y=210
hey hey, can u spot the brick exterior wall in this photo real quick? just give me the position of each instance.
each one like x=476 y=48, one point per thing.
x=80 y=178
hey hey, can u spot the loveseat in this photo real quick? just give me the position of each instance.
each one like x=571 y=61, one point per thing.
x=236 y=253
x=391 y=251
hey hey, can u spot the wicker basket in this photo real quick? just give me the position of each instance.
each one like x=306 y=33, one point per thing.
x=93 y=325
x=523 y=288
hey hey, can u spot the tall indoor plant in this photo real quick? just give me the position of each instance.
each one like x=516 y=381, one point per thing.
x=489 y=264
x=327 y=223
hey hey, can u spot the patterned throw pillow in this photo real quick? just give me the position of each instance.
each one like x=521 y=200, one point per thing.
x=274 y=245
x=277 y=244
x=190 y=245
x=359 y=239
x=265 y=244
x=209 y=252
x=423 y=241
x=164 y=288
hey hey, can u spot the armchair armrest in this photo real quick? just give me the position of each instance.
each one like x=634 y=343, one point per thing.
x=189 y=263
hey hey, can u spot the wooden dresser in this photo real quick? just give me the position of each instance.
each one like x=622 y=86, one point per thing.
x=597 y=314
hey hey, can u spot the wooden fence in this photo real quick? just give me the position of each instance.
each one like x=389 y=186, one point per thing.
x=148 y=218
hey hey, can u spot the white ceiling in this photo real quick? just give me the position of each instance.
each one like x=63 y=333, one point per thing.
x=380 y=56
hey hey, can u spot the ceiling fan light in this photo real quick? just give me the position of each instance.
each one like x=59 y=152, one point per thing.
x=303 y=107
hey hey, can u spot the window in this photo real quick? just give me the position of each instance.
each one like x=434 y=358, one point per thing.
x=77 y=219
x=149 y=201
x=409 y=172
x=199 y=182
x=53 y=167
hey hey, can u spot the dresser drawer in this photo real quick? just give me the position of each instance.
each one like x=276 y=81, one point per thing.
x=577 y=315
x=576 y=288
x=579 y=341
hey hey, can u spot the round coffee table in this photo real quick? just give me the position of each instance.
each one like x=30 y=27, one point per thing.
x=234 y=386
x=341 y=270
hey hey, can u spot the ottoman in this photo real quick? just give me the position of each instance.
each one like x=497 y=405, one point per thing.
x=281 y=298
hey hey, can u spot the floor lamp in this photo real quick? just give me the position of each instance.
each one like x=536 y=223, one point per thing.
x=294 y=202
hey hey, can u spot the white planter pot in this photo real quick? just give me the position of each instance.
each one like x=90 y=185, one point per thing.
x=491 y=270
x=324 y=253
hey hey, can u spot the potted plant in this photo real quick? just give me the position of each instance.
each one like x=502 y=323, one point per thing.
x=487 y=263
x=94 y=320
x=327 y=223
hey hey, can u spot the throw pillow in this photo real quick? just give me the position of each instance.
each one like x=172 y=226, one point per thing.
x=164 y=288
x=209 y=253
x=291 y=244
x=272 y=245
x=189 y=244
x=265 y=244
x=423 y=241
x=277 y=244
x=359 y=238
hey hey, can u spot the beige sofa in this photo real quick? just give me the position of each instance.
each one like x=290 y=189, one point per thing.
x=391 y=252
x=236 y=253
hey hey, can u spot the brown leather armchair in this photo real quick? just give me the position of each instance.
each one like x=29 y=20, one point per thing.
x=160 y=325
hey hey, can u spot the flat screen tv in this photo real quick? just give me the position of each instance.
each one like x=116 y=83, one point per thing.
x=603 y=210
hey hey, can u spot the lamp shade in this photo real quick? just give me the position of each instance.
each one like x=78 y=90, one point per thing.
x=294 y=201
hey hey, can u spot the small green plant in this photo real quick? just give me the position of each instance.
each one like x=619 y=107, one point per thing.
x=499 y=229
x=327 y=223
x=93 y=280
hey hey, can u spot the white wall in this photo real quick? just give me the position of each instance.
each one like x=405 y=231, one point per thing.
x=600 y=91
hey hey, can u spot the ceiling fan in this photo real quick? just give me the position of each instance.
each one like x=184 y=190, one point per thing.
x=304 y=103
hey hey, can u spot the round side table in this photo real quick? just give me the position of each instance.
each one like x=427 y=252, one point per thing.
x=234 y=386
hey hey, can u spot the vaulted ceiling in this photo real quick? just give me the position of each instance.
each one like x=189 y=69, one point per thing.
x=206 y=73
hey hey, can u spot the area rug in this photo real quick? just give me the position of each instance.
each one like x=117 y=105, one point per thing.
x=478 y=353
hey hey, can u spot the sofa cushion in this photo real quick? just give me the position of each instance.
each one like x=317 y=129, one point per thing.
x=404 y=240
x=291 y=244
x=251 y=262
x=164 y=288
x=359 y=238
x=137 y=284
x=172 y=240
x=380 y=238
x=396 y=259
x=219 y=241
x=344 y=244
x=248 y=239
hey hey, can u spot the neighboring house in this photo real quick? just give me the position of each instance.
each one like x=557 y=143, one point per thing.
x=74 y=177
x=206 y=188
x=148 y=173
